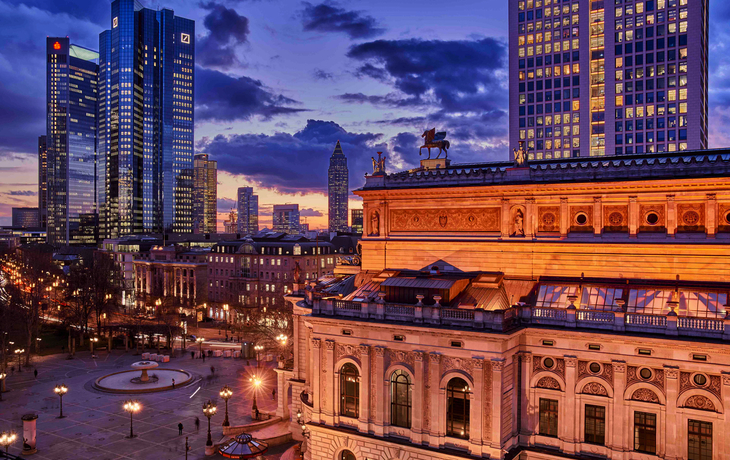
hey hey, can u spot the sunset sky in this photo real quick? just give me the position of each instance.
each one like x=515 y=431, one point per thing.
x=278 y=82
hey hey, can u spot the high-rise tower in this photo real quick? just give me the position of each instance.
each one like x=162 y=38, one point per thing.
x=71 y=106
x=595 y=77
x=248 y=211
x=205 y=194
x=146 y=98
x=337 y=190
x=286 y=218
x=42 y=181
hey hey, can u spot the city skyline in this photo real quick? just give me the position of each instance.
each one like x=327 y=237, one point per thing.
x=359 y=90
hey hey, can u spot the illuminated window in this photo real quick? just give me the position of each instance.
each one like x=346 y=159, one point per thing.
x=457 y=408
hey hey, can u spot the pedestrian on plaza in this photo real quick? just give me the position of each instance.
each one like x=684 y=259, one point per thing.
x=192 y=355
x=173 y=384
x=212 y=370
x=179 y=428
x=203 y=354
x=197 y=424
x=35 y=373
x=273 y=394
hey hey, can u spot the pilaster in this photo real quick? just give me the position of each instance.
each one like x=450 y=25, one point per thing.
x=328 y=375
x=673 y=449
x=476 y=406
x=379 y=415
x=633 y=216
x=530 y=218
x=571 y=427
x=432 y=393
x=620 y=442
x=564 y=218
x=417 y=400
x=597 y=216
x=711 y=213
x=316 y=378
x=365 y=395
x=497 y=367
x=524 y=391
x=671 y=216
x=505 y=218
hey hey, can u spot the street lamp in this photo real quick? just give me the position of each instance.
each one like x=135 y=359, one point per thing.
x=2 y=381
x=226 y=394
x=258 y=349
x=92 y=341
x=209 y=409
x=19 y=351
x=60 y=390
x=131 y=406
x=200 y=341
x=282 y=339
x=256 y=382
x=7 y=438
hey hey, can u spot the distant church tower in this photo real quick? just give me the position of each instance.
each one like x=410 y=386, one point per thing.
x=337 y=190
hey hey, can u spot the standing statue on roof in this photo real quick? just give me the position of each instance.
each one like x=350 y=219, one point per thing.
x=520 y=155
x=434 y=140
x=379 y=165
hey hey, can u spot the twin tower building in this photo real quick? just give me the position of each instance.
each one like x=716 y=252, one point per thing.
x=118 y=151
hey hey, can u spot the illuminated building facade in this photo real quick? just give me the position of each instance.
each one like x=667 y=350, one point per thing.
x=205 y=194
x=356 y=220
x=145 y=165
x=25 y=218
x=595 y=77
x=42 y=180
x=71 y=105
x=337 y=190
x=286 y=218
x=562 y=310
x=248 y=211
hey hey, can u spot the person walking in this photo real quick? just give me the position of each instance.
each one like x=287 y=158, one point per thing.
x=212 y=370
x=197 y=424
x=203 y=355
x=35 y=373
x=173 y=384
x=273 y=394
x=179 y=428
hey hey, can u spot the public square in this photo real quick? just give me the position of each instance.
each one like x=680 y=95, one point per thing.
x=95 y=425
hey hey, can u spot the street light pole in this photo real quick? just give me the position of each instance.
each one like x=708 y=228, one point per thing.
x=226 y=394
x=256 y=382
x=209 y=409
x=131 y=406
x=19 y=352
x=60 y=390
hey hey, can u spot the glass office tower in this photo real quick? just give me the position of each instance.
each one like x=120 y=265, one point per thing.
x=71 y=106
x=205 y=194
x=145 y=117
x=607 y=77
x=337 y=190
x=248 y=211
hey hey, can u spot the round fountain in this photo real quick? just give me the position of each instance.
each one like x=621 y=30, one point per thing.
x=158 y=379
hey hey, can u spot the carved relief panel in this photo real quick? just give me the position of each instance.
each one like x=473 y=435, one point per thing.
x=446 y=220
x=581 y=218
x=652 y=376
x=616 y=218
x=548 y=219
x=691 y=217
x=723 y=218
x=652 y=218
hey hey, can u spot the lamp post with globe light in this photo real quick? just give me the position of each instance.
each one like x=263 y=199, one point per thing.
x=200 y=341
x=258 y=349
x=19 y=352
x=7 y=438
x=60 y=390
x=2 y=381
x=226 y=394
x=131 y=406
x=256 y=383
x=209 y=410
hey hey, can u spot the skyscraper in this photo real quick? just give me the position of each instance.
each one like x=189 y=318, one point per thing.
x=25 y=218
x=146 y=97
x=356 y=220
x=286 y=218
x=42 y=181
x=248 y=211
x=205 y=194
x=71 y=105
x=607 y=77
x=337 y=189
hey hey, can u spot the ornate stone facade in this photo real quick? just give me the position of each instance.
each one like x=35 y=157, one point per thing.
x=445 y=220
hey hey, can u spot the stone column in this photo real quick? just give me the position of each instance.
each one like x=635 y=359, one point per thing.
x=316 y=376
x=432 y=393
x=564 y=218
x=530 y=218
x=571 y=426
x=620 y=420
x=633 y=217
x=476 y=406
x=281 y=393
x=505 y=218
x=711 y=212
x=524 y=390
x=417 y=397
x=496 y=438
x=673 y=431
x=329 y=385
x=379 y=415
x=671 y=216
x=597 y=216
x=365 y=395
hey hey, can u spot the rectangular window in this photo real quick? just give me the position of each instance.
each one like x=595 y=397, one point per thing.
x=595 y=424
x=548 y=417
x=644 y=432
x=699 y=440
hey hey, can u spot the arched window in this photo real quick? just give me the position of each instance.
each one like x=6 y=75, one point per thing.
x=457 y=408
x=349 y=391
x=346 y=455
x=400 y=399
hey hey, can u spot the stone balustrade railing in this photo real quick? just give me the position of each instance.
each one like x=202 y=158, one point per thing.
x=521 y=315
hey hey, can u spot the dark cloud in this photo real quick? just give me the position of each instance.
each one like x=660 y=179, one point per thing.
x=226 y=204
x=295 y=163
x=389 y=100
x=320 y=74
x=329 y=17
x=220 y=97
x=310 y=212
x=22 y=193
x=22 y=120
x=226 y=30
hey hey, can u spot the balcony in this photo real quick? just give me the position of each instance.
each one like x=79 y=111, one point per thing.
x=524 y=315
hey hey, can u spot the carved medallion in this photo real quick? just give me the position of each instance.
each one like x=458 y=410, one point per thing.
x=657 y=377
x=645 y=395
x=446 y=220
x=691 y=216
x=713 y=386
x=723 y=218
x=606 y=372
x=700 y=402
x=450 y=363
x=398 y=356
x=616 y=218
x=548 y=219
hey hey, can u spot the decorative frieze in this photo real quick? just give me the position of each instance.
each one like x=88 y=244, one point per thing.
x=700 y=402
x=691 y=217
x=548 y=383
x=398 y=356
x=645 y=395
x=446 y=220
x=449 y=363
x=595 y=388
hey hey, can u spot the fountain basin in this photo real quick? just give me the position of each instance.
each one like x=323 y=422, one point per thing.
x=130 y=381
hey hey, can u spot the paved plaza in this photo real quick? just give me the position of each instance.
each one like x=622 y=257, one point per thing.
x=95 y=426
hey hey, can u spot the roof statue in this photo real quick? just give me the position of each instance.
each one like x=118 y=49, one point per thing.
x=379 y=165
x=435 y=140
x=520 y=156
